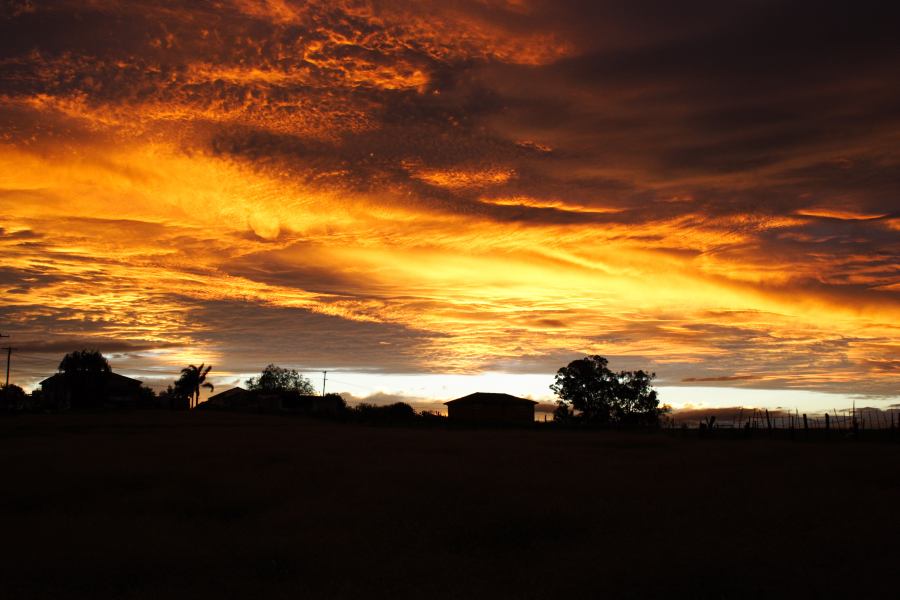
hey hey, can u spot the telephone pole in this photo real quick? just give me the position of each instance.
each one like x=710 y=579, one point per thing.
x=9 y=350
x=8 y=356
x=324 y=373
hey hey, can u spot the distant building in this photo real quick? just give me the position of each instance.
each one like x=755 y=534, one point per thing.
x=236 y=397
x=482 y=407
x=120 y=391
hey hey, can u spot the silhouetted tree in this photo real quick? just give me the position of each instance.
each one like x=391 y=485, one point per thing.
x=637 y=402
x=589 y=391
x=13 y=397
x=278 y=379
x=173 y=398
x=562 y=413
x=86 y=373
x=192 y=379
x=147 y=397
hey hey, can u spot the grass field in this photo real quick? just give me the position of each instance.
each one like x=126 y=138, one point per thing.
x=207 y=505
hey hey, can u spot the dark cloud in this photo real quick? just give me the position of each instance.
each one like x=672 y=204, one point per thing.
x=245 y=331
x=65 y=344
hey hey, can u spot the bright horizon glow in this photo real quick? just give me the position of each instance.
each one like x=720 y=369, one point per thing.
x=426 y=390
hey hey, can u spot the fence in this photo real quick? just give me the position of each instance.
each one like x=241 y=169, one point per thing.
x=870 y=424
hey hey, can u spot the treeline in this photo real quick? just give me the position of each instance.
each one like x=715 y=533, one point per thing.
x=589 y=394
x=88 y=383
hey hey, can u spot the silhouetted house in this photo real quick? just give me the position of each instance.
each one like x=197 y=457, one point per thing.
x=236 y=397
x=482 y=407
x=119 y=391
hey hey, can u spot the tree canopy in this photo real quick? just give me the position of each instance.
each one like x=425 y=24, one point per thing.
x=278 y=379
x=84 y=361
x=86 y=373
x=589 y=391
x=12 y=397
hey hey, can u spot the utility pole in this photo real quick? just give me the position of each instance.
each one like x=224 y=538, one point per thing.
x=8 y=357
x=8 y=353
x=9 y=350
x=324 y=373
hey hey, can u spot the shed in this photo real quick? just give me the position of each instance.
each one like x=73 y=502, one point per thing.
x=485 y=407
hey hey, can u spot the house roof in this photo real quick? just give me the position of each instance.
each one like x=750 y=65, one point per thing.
x=490 y=398
x=121 y=378
x=235 y=391
x=49 y=379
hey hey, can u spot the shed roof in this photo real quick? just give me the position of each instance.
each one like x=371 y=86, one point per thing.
x=490 y=398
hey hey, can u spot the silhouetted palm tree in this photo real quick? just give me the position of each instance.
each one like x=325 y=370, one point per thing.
x=191 y=380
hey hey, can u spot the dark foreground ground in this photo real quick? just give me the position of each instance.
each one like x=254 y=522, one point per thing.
x=161 y=505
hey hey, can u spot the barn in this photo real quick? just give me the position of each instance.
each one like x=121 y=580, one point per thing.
x=484 y=407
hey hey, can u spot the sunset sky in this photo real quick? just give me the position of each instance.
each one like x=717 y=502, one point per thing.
x=433 y=198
